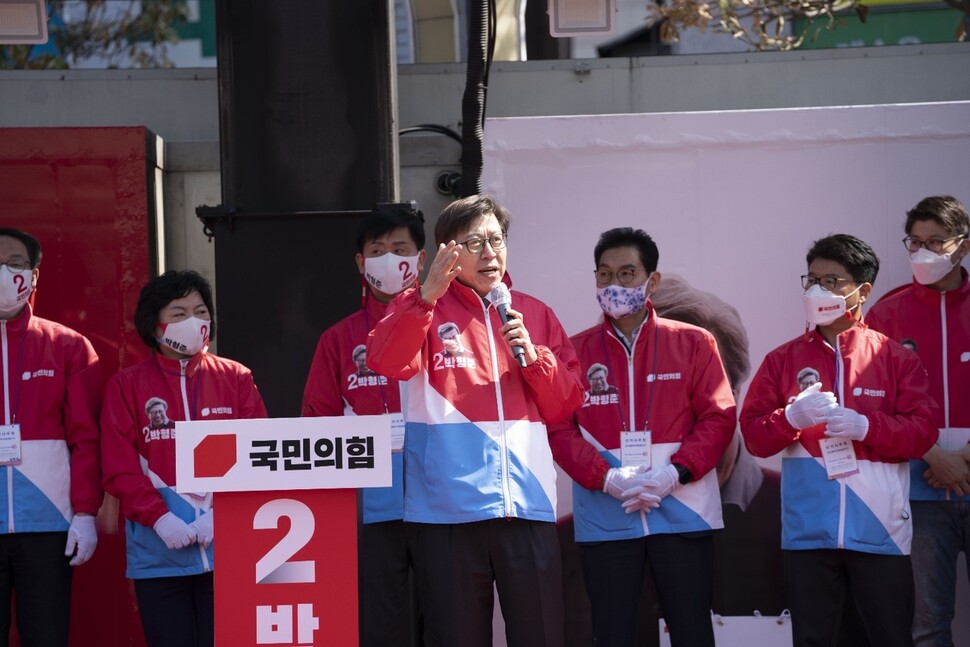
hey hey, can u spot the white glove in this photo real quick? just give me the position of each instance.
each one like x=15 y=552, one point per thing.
x=620 y=479
x=203 y=529
x=846 y=423
x=810 y=407
x=641 y=501
x=83 y=537
x=174 y=532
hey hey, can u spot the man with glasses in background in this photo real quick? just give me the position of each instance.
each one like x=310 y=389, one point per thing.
x=846 y=527
x=932 y=315
x=645 y=491
x=50 y=456
x=480 y=481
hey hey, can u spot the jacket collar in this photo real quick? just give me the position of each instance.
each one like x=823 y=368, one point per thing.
x=647 y=328
x=19 y=323
x=374 y=309
x=928 y=294
x=174 y=366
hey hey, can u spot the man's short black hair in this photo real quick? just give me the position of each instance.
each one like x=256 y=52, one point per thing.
x=853 y=254
x=162 y=290
x=460 y=214
x=629 y=237
x=34 y=253
x=943 y=209
x=380 y=223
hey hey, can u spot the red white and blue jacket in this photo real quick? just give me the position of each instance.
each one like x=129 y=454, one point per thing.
x=673 y=384
x=138 y=450
x=870 y=373
x=52 y=388
x=476 y=444
x=337 y=386
x=938 y=323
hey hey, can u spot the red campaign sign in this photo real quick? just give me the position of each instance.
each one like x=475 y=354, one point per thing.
x=286 y=568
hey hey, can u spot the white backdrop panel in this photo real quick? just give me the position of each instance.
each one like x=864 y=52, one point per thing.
x=733 y=199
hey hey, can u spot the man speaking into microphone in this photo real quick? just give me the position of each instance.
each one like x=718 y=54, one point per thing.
x=480 y=484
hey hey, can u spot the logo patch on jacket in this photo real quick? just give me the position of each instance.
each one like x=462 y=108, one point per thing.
x=872 y=393
x=662 y=377
x=215 y=411
x=43 y=372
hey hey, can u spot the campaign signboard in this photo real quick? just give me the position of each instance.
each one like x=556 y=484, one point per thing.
x=286 y=526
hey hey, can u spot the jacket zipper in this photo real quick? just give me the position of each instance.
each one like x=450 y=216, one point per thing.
x=188 y=416
x=506 y=490
x=633 y=412
x=840 y=371
x=6 y=420
x=946 y=441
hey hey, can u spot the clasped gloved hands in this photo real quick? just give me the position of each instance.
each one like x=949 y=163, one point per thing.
x=622 y=483
x=658 y=484
x=203 y=529
x=810 y=407
x=175 y=532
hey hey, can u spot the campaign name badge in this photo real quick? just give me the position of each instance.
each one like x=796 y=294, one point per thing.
x=10 y=445
x=839 y=457
x=397 y=432
x=635 y=449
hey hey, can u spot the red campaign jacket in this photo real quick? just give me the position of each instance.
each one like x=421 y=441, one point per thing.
x=476 y=443
x=692 y=404
x=673 y=384
x=867 y=511
x=139 y=458
x=52 y=388
x=938 y=323
x=881 y=380
x=335 y=385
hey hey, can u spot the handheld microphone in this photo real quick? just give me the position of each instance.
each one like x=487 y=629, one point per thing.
x=501 y=298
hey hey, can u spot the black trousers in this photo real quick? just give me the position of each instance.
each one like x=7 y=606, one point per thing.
x=817 y=582
x=177 y=611
x=457 y=565
x=389 y=610
x=33 y=565
x=682 y=566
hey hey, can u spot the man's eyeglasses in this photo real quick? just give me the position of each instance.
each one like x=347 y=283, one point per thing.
x=17 y=265
x=827 y=283
x=624 y=277
x=476 y=245
x=935 y=245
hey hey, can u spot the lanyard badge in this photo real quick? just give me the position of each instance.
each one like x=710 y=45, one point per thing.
x=10 y=453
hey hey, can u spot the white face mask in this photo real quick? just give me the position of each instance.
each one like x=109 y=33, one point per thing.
x=187 y=337
x=928 y=267
x=15 y=289
x=823 y=307
x=618 y=301
x=390 y=273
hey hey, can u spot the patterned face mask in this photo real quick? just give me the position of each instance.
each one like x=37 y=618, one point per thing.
x=618 y=301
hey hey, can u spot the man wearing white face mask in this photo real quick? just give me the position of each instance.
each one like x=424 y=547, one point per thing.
x=847 y=439
x=933 y=313
x=169 y=534
x=389 y=257
x=49 y=455
x=645 y=492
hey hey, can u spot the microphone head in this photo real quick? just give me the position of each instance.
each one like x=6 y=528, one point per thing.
x=500 y=295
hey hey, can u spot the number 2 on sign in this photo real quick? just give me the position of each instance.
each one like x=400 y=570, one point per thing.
x=275 y=566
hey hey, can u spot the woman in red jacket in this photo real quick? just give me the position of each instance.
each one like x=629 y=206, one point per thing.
x=168 y=534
